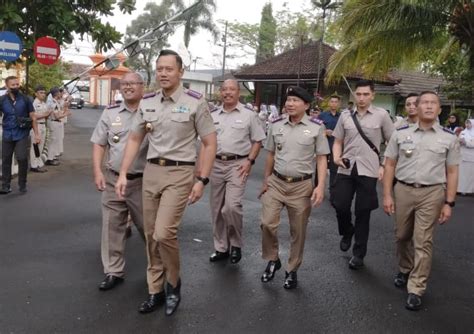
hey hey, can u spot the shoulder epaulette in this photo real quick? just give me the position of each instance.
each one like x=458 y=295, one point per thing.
x=112 y=106
x=406 y=126
x=449 y=131
x=147 y=96
x=316 y=120
x=279 y=118
x=214 y=109
x=248 y=107
x=193 y=93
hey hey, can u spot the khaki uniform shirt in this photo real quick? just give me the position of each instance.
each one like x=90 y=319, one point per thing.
x=422 y=155
x=116 y=121
x=40 y=107
x=176 y=122
x=402 y=122
x=296 y=144
x=237 y=130
x=377 y=126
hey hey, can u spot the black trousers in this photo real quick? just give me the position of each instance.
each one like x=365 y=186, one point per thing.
x=21 y=150
x=364 y=188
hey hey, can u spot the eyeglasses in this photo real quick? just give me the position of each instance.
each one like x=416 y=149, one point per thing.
x=130 y=83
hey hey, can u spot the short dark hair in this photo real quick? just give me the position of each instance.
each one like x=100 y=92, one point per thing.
x=334 y=96
x=365 y=83
x=167 y=52
x=428 y=92
x=39 y=87
x=412 y=95
x=351 y=103
x=10 y=78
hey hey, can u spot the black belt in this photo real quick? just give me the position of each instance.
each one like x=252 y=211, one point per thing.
x=56 y=120
x=129 y=176
x=41 y=123
x=167 y=162
x=225 y=157
x=417 y=185
x=291 y=179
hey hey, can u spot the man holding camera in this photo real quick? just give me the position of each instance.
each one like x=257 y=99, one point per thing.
x=18 y=119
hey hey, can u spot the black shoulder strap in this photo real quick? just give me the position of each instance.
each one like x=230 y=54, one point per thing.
x=363 y=135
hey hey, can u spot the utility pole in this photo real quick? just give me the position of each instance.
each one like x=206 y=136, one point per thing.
x=224 y=40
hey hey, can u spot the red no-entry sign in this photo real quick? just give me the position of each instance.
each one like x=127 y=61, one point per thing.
x=47 y=50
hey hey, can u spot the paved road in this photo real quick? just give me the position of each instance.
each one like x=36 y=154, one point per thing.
x=50 y=267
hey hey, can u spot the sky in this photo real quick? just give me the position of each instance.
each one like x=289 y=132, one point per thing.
x=202 y=48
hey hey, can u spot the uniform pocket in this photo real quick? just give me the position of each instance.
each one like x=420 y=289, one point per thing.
x=180 y=117
x=305 y=141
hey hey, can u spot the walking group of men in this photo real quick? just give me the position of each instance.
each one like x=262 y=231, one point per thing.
x=153 y=171
x=42 y=119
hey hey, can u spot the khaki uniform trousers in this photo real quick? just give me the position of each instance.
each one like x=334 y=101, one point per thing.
x=165 y=195
x=34 y=161
x=416 y=214
x=297 y=199
x=227 y=190
x=114 y=222
x=53 y=143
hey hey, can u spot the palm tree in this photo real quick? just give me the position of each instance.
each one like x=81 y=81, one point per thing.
x=201 y=18
x=324 y=6
x=379 y=35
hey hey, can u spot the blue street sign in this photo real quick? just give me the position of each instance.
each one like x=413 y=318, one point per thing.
x=10 y=46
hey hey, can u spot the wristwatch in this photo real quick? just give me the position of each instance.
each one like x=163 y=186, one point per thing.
x=252 y=161
x=203 y=179
x=451 y=204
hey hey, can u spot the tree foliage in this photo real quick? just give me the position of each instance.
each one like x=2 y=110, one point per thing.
x=61 y=19
x=47 y=76
x=378 y=35
x=266 y=34
x=200 y=18
x=153 y=16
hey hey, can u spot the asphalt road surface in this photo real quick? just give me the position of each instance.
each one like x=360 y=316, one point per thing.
x=50 y=268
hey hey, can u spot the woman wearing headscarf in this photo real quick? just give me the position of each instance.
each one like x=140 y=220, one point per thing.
x=466 y=168
x=453 y=122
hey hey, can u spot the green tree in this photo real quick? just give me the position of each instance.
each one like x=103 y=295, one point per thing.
x=47 y=76
x=201 y=18
x=62 y=19
x=266 y=34
x=378 y=35
x=153 y=16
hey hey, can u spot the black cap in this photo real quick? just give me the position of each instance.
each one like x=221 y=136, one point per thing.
x=39 y=87
x=299 y=92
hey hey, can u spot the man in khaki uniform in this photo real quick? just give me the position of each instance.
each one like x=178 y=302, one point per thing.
x=55 y=126
x=358 y=175
x=174 y=118
x=110 y=136
x=41 y=114
x=424 y=158
x=239 y=136
x=292 y=143
x=411 y=111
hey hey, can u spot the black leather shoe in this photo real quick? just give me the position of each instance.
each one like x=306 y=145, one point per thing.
x=218 y=256
x=356 y=263
x=152 y=303
x=110 y=282
x=269 y=272
x=235 y=254
x=401 y=280
x=23 y=189
x=291 y=280
x=38 y=170
x=173 y=297
x=5 y=190
x=52 y=163
x=413 y=302
x=345 y=243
